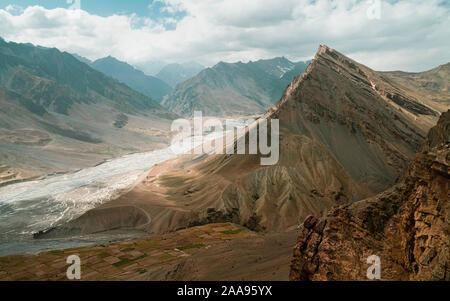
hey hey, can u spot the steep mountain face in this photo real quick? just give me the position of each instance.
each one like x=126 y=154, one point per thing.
x=173 y=74
x=407 y=226
x=150 y=86
x=54 y=106
x=234 y=89
x=372 y=127
x=341 y=140
x=57 y=80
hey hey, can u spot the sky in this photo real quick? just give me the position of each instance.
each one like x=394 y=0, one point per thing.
x=409 y=35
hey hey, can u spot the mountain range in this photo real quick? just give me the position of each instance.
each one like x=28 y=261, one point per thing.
x=231 y=89
x=66 y=103
x=223 y=90
x=54 y=106
x=150 y=86
x=363 y=168
x=346 y=133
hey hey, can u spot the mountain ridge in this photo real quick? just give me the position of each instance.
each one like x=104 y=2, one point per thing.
x=50 y=63
x=230 y=89
x=150 y=86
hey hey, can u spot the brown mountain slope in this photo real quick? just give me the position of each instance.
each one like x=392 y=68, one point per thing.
x=372 y=127
x=407 y=226
x=346 y=134
x=432 y=87
x=179 y=193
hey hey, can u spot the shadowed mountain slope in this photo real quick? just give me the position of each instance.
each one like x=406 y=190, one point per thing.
x=150 y=86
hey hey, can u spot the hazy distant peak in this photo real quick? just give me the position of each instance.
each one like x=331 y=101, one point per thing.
x=192 y=64
x=81 y=58
x=176 y=73
x=109 y=59
x=150 y=86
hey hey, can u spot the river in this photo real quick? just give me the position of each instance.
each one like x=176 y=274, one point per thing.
x=29 y=207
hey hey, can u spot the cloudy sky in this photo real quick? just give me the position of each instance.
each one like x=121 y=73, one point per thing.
x=410 y=35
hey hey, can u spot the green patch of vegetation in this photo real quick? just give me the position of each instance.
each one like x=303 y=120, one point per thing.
x=124 y=260
x=57 y=252
x=191 y=246
x=167 y=258
x=149 y=244
x=232 y=232
x=140 y=257
x=121 y=121
x=5 y=260
x=143 y=271
x=220 y=225
x=103 y=254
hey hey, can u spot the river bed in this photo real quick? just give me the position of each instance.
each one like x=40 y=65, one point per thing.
x=30 y=207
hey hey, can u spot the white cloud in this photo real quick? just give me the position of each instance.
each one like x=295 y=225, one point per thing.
x=14 y=9
x=410 y=35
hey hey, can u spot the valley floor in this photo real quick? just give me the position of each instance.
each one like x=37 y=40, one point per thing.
x=210 y=252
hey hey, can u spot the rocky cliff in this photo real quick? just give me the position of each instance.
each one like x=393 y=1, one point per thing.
x=408 y=226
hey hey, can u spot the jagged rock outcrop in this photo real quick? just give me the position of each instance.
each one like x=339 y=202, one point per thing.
x=408 y=226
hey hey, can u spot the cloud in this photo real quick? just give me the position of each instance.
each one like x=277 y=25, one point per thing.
x=14 y=9
x=409 y=35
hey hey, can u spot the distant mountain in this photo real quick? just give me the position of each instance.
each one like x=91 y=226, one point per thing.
x=52 y=106
x=173 y=74
x=298 y=69
x=151 y=67
x=432 y=86
x=82 y=59
x=234 y=88
x=57 y=80
x=150 y=86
